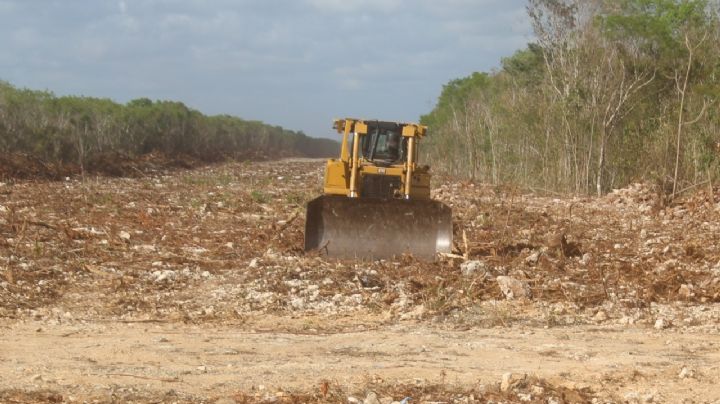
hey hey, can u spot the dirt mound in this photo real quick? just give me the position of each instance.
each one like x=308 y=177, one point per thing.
x=23 y=396
x=25 y=167
x=119 y=165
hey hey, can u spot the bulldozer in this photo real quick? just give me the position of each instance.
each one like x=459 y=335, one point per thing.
x=376 y=202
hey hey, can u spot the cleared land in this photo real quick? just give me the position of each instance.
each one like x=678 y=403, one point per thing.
x=192 y=286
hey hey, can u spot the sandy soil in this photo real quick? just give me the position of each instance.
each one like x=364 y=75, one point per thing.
x=191 y=286
x=219 y=361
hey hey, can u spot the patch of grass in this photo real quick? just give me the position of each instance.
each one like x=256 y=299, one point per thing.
x=100 y=198
x=38 y=249
x=487 y=314
x=298 y=198
x=224 y=179
x=259 y=196
x=208 y=180
x=193 y=180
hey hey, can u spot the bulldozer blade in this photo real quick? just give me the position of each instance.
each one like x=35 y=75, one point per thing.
x=357 y=228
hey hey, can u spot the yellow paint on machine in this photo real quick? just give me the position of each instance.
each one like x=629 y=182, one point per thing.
x=383 y=195
x=338 y=172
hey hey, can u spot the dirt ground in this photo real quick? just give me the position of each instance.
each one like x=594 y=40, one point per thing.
x=192 y=286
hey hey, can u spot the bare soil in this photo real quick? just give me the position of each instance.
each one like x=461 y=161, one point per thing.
x=192 y=286
x=16 y=166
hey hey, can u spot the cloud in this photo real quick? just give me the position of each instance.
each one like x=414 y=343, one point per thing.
x=6 y=7
x=354 y=6
x=296 y=63
x=26 y=36
x=357 y=77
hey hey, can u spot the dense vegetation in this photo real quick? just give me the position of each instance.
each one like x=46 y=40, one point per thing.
x=611 y=92
x=78 y=130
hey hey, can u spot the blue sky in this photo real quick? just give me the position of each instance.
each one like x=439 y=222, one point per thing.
x=294 y=63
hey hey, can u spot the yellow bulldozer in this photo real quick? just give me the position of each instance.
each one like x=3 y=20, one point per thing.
x=376 y=202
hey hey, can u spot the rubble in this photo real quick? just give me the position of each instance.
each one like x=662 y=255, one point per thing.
x=205 y=247
x=176 y=232
x=471 y=268
x=509 y=380
x=600 y=316
x=371 y=398
x=513 y=288
x=686 y=373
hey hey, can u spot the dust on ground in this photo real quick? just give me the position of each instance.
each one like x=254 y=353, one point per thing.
x=191 y=285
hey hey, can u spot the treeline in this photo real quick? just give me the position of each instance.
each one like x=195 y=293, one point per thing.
x=612 y=91
x=76 y=130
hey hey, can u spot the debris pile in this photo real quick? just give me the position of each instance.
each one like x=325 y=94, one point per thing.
x=223 y=245
x=225 y=242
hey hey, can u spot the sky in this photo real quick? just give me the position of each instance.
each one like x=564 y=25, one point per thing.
x=293 y=63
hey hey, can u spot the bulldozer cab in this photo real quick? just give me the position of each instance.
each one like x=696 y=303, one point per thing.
x=384 y=147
